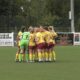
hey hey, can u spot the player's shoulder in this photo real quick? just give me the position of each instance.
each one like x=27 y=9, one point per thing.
x=26 y=32
x=54 y=33
x=47 y=32
x=44 y=32
x=38 y=33
x=19 y=33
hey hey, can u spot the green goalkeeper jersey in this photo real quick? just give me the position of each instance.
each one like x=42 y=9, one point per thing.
x=25 y=35
x=24 y=39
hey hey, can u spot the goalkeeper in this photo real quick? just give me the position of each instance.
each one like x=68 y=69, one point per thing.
x=24 y=46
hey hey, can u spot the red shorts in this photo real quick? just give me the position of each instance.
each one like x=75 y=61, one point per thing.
x=50 y=45
x=41 y=46
x=31 y=47
x=46 y=45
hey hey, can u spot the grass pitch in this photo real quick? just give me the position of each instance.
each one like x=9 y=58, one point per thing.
x=67 y=66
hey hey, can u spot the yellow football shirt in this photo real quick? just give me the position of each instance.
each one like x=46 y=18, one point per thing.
x=32 y=40
x=39 y=38
x=53 y=35
x=19 y=37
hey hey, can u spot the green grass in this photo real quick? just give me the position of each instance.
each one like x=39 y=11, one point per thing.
x=67 y=66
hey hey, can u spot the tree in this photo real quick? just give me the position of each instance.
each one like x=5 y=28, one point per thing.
x=37 y=12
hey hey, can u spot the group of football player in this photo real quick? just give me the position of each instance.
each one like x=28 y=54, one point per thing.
x=36 y=44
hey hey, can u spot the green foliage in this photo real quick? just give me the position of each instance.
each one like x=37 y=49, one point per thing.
x=36 y=12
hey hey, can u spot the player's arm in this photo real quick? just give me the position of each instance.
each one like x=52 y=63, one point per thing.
x=55 y=34
x=17 y=40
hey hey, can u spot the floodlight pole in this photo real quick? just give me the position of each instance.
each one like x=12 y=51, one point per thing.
x=72 y=15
